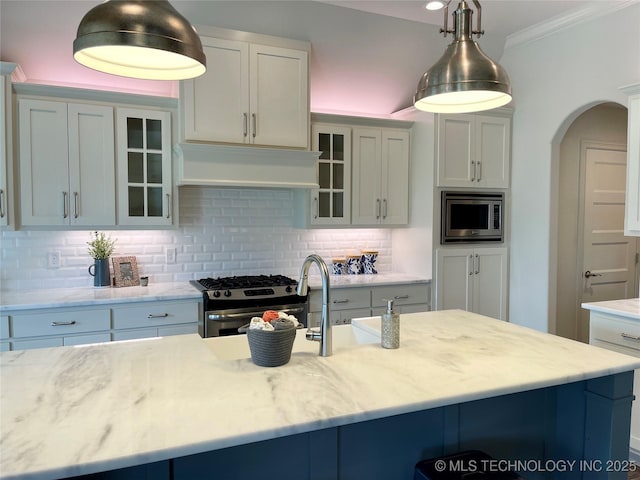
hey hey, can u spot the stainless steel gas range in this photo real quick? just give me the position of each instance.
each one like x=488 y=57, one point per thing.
x=230 y=302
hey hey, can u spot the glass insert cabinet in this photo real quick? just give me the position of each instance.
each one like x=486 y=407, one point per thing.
x=331 y=202
x=144 y=167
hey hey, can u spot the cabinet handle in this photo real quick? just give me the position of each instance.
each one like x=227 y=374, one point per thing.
x=401 y=297
x=2 y=203
x=168 y=205
x=346 y=300
x=477 y=264
x=316 y=207
x=244 y=124
x=65 y=211
x=158 y=315
x=255 y=124
x=75 y=204
x=377 y=208
x=471 y=264
x=628 y=336
x=62 y=324
x=384 y=208
x=473 y=166
x=479 y=165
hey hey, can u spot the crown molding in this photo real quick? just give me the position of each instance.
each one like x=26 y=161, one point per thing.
x=563 y=22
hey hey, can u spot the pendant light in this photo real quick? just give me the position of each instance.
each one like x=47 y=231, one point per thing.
x=464 y=79
x=139 y=39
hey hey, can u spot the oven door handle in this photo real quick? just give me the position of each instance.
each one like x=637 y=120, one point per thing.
x=257 y=313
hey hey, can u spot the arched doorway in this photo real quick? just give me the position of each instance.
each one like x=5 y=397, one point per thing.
x=590 y=189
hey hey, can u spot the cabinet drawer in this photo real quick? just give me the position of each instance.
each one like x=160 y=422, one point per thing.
x=37 y=343
x=59 y=323
x=341 y=299
x=87 y=339
x=153 y=314
x=400 y=294
x=4 y=326
x=617 y=331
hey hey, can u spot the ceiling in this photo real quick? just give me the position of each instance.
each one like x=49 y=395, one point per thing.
x=500 y=17
x=366 y=57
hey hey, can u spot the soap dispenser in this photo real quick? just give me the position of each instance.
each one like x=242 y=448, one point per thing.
x=390 y=335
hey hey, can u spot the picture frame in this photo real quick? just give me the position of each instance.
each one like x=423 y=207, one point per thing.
x=125 y=271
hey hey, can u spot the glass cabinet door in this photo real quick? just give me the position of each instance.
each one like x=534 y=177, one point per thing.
x=144 y=167
x=331 y=202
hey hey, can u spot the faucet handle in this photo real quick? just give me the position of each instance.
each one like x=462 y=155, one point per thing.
x=313 y=335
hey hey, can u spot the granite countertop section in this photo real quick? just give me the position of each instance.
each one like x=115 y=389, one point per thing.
x=121 y=404
x=377 y=280
x=86 y=296
x=629 y=307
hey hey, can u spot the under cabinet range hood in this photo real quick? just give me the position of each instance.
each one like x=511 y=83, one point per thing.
x=238 y=166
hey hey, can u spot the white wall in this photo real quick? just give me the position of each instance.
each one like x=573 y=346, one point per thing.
x=222 y=232
x=554 y=79
x=411 y=251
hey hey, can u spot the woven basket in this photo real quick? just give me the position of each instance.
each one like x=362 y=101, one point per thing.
x=271 y=348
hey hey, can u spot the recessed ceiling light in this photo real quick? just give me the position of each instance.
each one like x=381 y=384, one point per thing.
x=434 y=5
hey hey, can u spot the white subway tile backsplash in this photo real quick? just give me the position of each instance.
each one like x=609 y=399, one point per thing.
x=222 y=231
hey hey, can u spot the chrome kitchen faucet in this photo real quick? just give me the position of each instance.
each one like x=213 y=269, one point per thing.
x=324 y=335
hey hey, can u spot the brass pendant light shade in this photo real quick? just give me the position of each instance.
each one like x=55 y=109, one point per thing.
x=140 y=39
x=464 y=79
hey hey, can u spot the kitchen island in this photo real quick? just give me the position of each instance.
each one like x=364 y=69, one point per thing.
x=184 y=407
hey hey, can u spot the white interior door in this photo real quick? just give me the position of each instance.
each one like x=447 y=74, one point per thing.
x=609 y=258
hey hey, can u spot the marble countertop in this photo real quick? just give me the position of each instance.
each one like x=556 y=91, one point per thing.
x=629 y=308
x=75 y=410
x=377 y=280
x=72 y=297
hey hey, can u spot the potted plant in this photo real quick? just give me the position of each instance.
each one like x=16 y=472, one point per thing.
x=100 y=248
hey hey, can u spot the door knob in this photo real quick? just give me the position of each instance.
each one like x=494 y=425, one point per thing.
x=588 y=274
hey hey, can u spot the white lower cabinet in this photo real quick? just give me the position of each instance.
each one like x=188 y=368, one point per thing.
x=4 y=333
x=406 y=298
x=153 y=319
x=347 y=303
x=472 y=279
x=55 y=327
x=623 y=336
x=58 y=327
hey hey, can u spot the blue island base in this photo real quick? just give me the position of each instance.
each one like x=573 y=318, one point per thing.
x=574 y=431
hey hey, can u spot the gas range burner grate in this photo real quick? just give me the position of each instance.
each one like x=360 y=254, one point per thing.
x=247 y=281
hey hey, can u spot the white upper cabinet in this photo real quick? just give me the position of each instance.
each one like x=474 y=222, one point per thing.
x=380 y=194
x=6 y=145
x=473 y=151
x=215 y=106
x=250 y=94
x=632 y=205
x=331 y=202
x=144 y=167
x=67 y=164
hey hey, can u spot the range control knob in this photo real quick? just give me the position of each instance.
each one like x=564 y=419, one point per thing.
x=288 y=289
x=227 y=293
x=216 y=293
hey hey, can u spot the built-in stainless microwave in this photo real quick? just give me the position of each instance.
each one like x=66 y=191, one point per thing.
x=470 y=217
